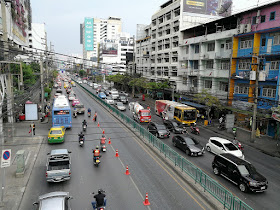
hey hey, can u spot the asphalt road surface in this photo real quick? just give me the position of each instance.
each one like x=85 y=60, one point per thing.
x=148 y=174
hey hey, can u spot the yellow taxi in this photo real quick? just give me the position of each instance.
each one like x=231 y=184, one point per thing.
x=56 y=135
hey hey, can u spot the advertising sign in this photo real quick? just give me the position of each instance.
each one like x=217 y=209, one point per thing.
x=109 y=48
x=89 y=34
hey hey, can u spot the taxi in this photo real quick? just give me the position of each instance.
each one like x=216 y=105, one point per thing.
x=56 y=135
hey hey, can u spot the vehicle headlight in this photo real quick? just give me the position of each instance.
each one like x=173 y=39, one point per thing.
x=253 y=184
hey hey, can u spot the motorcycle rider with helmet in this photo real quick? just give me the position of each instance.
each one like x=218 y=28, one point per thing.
x=96 y=153
x=99 y=199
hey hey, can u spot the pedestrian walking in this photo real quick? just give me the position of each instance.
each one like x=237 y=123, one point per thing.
x=32 y=128
x=95 y=116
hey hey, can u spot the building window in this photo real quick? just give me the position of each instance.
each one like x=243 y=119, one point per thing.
x=272 y=16
x=241 y=89
x=254 y=20
x=211 y=47
x=269 y=92
x=225 y=65
x=224 y=86
x=228 y=45
x=276 y=39
x=196 y=48
x=187 y=49
x=263 y=42
x=244 y=64
x=245 y=44
x=263 y=18
x=195 y=64
x=208 y=84
x=210 y=64
x=274 y=65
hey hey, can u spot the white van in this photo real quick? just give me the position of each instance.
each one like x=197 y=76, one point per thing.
x=114 y=94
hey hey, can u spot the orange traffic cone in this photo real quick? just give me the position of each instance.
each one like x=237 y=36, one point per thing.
x=146 y=202
x=103 y=132
x=127 y=171
x=117 y=153
x=98 y=125
x=109 y=142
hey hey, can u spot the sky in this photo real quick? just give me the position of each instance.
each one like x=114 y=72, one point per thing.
x=63 y=17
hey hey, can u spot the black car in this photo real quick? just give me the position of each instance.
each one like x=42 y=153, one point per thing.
x=158 y=130
x=173 y=126
x=123 y=98
x=239 y=172
x=189 y=145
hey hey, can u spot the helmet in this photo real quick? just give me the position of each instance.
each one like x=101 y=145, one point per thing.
x=99 y=191
x=81 y=132
x=97 y=147
x=103 y=136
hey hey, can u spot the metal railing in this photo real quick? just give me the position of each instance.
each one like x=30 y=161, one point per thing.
x=221 y=194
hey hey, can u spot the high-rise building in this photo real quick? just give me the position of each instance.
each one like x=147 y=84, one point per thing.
x=93 y=31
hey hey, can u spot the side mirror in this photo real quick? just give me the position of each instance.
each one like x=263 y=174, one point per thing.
x=48 y=153
x=35 y=203
x=69 y=151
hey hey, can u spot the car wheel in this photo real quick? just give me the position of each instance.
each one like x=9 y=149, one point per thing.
x=242 y=187
x=208 y=149
x=188 y=152
x=216 y=171
x=174 y=144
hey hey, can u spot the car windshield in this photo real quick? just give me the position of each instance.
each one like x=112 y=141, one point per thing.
x=190 y=141
x=161 y=127
x=230 y=147
x=122 y=97
x=109 y=98
x=56 y=132
x=79 y=106
x=189 y=114
x=119 y=104
x=246 y=170
x=101 y=93
x=145 y=113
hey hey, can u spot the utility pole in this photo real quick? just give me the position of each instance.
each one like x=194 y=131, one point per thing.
x=46 y=53
x=255 y=105
x=42 y=81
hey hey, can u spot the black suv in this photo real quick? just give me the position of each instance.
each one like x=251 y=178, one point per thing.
x=240 y=172
x=173 y=126
x=158 y=130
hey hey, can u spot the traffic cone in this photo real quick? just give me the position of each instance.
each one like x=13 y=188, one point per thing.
x=127 y=171
x=117 y=153
x=98 y=125
x=109 y=142
x=146 y=201
x=103 y=132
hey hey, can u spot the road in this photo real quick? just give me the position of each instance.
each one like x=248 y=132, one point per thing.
x=265 y=164
x=148 y=173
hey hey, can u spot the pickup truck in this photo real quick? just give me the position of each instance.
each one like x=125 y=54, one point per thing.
x=80 y=108
x=58 y=165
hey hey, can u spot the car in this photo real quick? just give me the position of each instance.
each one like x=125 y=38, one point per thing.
x=56 y=135
x=114 y=94
x=80 y=108
x=124 y=93
x=98 y=89
x=102 y=95
x=173 y=126
x=75 y=101
x=68 y=90
x=123 y=98
x=71 y=97
x=120 y=106
x=54 y=200
x=80 y=82
x=239 y=172
x=158 y=130
x=131 y=105
x=84 y=81
x=56 y=95
x=73 y=84
x=95 y=85
x=189 y=145
x=55 y=85
x=90 y=84
x=65 y=85
x=109 y=100
x=219 y=145
x=107 y=92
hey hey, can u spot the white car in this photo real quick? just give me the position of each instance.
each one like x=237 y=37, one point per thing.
x=95 y=86
x=71 y=97
x=109 y=100
x=90 y=84
x=80 y=82
x=85 y=81
x=219 y=145
x=120 y=106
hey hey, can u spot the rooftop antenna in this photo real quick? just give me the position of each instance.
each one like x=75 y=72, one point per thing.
x=225 y=8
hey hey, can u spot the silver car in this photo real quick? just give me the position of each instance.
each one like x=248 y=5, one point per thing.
x=54 y=200
x=120 y=106
x=109 y=100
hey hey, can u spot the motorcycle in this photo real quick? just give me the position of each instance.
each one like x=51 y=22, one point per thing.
x=100 y=207
x=238 y=144
x=75 y=114
x=195 y=130
x=81 y=141
x=222 y=126
x=234 y=131
x=42 y=118
x=84 y=127
x=103 y=144
x=96 y=161
x=89 y=114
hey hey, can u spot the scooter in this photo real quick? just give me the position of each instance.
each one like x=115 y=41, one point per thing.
x=238 y=144
x=81 y=141
x=100 y=207
x=43 y=117
x=75 y=114
x=89 y=114
x=222 y=126
x=96 y=161
x=84 y=127
x=103 y=144
x=195 y=130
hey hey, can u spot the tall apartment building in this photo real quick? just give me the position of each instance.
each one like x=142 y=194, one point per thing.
x=93 y=31
x=160 y=61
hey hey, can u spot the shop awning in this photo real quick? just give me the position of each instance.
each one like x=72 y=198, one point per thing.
x=198 y=106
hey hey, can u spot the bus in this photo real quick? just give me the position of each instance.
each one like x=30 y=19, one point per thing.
x=184 y=114
x=61 y=112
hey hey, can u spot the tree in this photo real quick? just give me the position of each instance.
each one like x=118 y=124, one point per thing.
x=82 y=73
x=156 y=86
x=209 y=101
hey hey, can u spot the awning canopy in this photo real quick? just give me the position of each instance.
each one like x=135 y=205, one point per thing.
x=198 y=106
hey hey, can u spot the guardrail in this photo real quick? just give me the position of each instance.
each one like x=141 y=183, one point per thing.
x=225 y=197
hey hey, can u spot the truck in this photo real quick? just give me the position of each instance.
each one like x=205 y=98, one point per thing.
x=184 y=114
x=58 y=165
x=139 y=113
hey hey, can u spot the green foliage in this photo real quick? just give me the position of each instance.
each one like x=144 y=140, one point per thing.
x=157 y=85
x=82 y=72
x=55 y=73
x=207 y=99
x=138 y=82
x=35 y=67
x=99 y=78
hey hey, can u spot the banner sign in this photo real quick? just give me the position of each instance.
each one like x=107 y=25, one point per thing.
x=89 y=34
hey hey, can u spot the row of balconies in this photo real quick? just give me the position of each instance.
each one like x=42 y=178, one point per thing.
x=206 y=55
x=185 y=72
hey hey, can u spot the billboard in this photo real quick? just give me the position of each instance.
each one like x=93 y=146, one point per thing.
x=89 y=34
x=207 y=7
x=109 y=48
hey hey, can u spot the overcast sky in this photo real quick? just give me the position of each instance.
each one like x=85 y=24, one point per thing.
x=63 y=17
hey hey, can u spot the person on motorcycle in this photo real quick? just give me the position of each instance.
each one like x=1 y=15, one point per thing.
x=103 y=140
x=81 y=135
x=96 y=153
x=235 y=141
x=100 y=198
x=89 y=111
x=84 y=122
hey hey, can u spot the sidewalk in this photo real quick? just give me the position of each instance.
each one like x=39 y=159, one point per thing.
x=22 y=140
x=265 y=143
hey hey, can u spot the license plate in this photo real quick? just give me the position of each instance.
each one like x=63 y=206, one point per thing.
x=263 y=188
x=97 y=161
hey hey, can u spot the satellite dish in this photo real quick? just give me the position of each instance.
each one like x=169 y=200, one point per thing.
x=224 y=7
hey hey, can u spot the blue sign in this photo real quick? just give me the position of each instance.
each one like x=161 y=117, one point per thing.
x=6 y=155
x=88 y=34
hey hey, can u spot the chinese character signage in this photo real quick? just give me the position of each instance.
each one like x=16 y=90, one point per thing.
x=89 y=34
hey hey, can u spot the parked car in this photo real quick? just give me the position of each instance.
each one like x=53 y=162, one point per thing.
x=123 y=98
x=80 y=108
x=239 y=172
x=109 y=100
x=158 y=130
x=219 y=145
x=190 y=146
x=56 y=135
x=173 y=126
x=74 y=102
x=102 y=95
x=54 y=200
x=120 y=106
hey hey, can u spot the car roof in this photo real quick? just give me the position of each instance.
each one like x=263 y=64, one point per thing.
x=235 y=159
x=54 y=200
x=59 y=152
x=221 y=140
x=56 y=128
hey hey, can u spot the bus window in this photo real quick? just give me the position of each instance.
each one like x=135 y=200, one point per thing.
x=177 y=113
x=189 y=114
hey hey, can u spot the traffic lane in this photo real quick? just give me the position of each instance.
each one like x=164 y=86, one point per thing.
x=128 y=150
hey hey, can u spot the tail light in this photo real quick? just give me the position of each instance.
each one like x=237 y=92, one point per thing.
x=46 y=174
x=69 y=173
